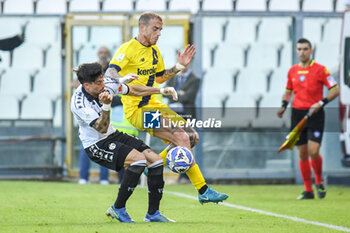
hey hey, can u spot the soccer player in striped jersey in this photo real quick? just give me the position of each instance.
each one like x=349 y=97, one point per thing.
x=91 y=105
x=306 y=81
x=140 y=56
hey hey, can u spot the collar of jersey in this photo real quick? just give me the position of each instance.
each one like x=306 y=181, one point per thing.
x=311 y=64
x=142 y=44
x=90 y=97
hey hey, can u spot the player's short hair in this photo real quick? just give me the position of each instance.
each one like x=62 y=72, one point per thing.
x=304 y=41
x=147 y=16
x=88 y=72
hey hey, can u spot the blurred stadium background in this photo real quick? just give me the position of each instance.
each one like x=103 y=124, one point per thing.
x=244 y=50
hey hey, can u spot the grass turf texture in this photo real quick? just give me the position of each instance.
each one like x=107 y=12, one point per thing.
x=69 y=207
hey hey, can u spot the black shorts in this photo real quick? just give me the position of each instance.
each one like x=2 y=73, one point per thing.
x=112 y=151
x=314 y=127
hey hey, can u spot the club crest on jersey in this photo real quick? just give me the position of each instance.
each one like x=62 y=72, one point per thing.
x=302 y=78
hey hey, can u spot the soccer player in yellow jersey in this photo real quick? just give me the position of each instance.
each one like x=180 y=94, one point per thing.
x=139 y=62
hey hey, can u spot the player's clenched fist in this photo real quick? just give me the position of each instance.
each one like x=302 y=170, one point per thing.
x=105 y=97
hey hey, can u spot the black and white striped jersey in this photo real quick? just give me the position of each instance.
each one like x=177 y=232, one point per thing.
x=86 y=110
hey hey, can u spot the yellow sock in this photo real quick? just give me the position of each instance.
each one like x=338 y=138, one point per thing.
x=163 y=154
x=196 y=177
x=194 y=173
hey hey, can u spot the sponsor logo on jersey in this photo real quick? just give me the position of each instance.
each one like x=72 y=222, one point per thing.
x=303 y=71
x=146 y=71
x=302 y=78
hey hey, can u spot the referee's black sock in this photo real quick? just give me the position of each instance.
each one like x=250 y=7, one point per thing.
x=131 y=178
x=155 y=185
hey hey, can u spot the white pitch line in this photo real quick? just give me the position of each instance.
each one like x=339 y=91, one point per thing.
x=339 y=228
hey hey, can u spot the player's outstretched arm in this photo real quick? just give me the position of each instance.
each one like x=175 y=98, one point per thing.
x=183 y=60
x=113 y=74
x=144 y=90
x=102 y=123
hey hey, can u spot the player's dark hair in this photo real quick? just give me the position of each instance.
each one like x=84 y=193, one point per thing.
x=304 y=41
x=88 y=72
x=147 y=16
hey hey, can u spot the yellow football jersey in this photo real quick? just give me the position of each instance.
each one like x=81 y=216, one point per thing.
x=146 y=62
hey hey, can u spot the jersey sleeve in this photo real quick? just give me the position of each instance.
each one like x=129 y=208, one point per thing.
x=88 y=115
x=327 y=78
x=120 y=59
x=289 y=86
x=115 y=88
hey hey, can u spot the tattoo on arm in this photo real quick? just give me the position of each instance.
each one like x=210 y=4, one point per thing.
x=138 y=90
x=112 y=73
x=102 y=123
x=168 y=73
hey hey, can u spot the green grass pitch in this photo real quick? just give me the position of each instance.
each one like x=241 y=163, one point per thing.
x=69 y=207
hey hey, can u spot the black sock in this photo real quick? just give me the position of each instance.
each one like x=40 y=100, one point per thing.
x=155 y=187
x=203 y=189
x=131 y=178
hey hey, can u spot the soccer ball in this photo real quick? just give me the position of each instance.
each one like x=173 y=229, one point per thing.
x=179 y=159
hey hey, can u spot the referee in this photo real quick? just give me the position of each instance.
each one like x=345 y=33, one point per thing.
x=306 y=81
x=91 y=105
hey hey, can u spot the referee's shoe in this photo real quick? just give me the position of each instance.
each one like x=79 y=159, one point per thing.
x=120 y=214
x=321 y=191
x=306 y=195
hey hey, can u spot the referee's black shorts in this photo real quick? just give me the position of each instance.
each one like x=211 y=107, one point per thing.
x=112 y=151
x=314 y=127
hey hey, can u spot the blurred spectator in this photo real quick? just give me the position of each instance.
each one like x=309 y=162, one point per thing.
x=186 y=84
x=104 y=56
